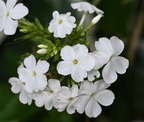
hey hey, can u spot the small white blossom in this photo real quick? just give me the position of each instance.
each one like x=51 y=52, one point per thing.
x=90 y=95
x=48 y=96
x=66 y=99
x=9 y=14
x=18 y=87
x=62 y=24
x=108 y=53
x=87 y=7
x=33 y=74
x=76 y=61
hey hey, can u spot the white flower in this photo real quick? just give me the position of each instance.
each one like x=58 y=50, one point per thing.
x=33 y=74
x=49 y=95
x=62 y=24
x=87 y=7
x=76 y=61
x=66 y=98
x=18 y=87
x=9 y=14
x=108 y=51
x=91 y=95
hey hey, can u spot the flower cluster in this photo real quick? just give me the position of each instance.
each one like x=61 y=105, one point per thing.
x=63 y=73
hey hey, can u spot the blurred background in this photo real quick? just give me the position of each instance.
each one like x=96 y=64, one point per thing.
x=122 y=18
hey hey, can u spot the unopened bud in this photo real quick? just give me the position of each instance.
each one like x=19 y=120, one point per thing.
x=42 y=51
x=42 y=46
x=96 y=19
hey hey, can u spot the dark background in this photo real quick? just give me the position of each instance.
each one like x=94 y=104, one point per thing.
x=122 y=18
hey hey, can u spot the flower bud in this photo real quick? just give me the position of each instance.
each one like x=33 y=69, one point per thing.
x=42 y=51
x=42 y=46
x=96 y=19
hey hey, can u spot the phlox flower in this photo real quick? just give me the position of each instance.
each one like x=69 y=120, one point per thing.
x=108 y=51
x=62 y=24
x=90 y=95
x=48 y=96
x=9 y=14
x=86 y=7
x=66 y=98
x=76 y=61
x=18 y=87
x=32 y=74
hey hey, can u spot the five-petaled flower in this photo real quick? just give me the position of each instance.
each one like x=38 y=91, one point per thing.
x=9 y=14
x=107 y=52
x=18 y=87
x=90 y=95
x=33 y=74
x=76 y=61
x=66 y=99
x=86 y=7
x=48 y=96
x=62 y=24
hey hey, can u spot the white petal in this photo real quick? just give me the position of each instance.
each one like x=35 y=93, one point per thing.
x=87 y=88
x=104 y=45
x=2 y=8
x=24 y=74
x=93 y=109
x=100 y=85
x=87 y=62
x=61 y=105
x=30 y=85
x=101 y=58
x=74 y=91
x=25 y=97
x=55 y=14
x=50 y=101
x=70 y=109
x=64 y=67
x=97 y=10
x=67 y=53
x=40 y=99
x=78 y=74
x=64 y=94
x=16 y=85
x=81 y=103
x=10 y=4
x=41 y=82
x=105 y=97
x=80 y=51
x=2 y=15
x=93 y=74
x=10 y=26
x=2 y=23
x=30 y=62
x=120 y=64
x=54 y=84
x=117 y=45
x=19 y=11
x=109 y=74
x=42 y=67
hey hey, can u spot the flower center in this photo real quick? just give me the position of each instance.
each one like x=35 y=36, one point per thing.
x=75 y=61
x=71 y=99
x=7 y=14
x=60 y=21
x=33 y=73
